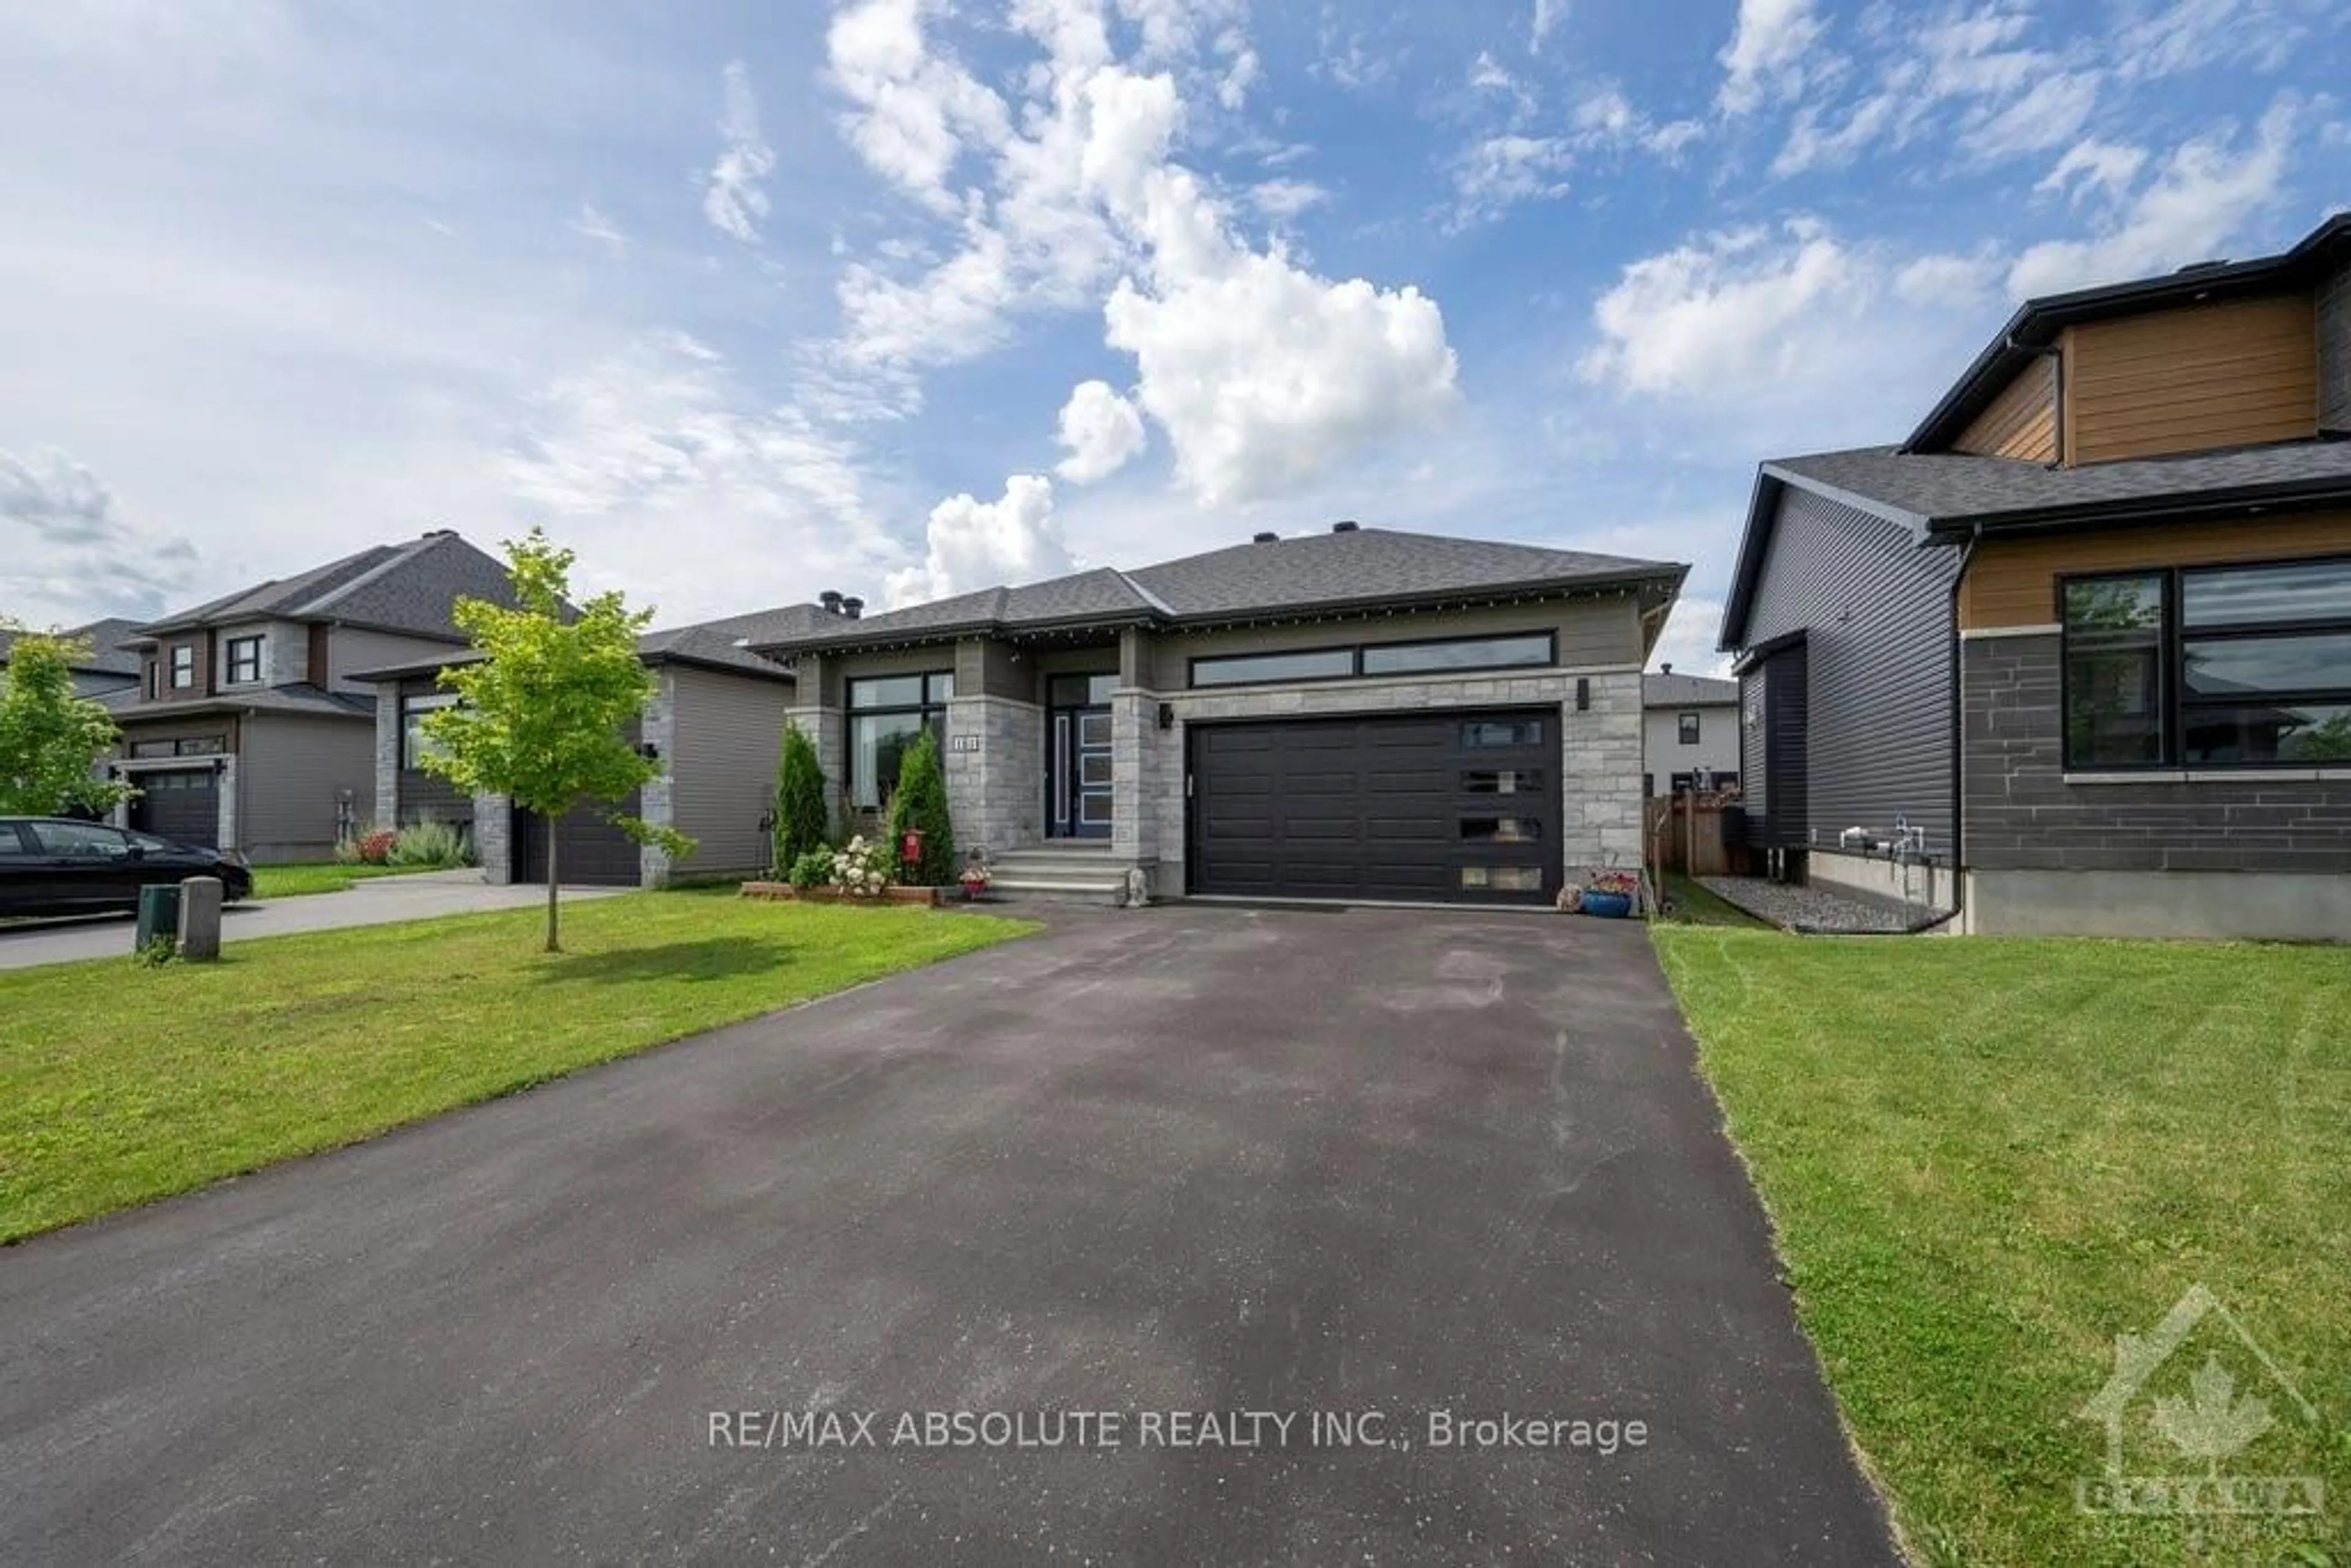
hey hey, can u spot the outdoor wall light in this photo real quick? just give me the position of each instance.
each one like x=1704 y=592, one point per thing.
x=1167 y=715
x=649 y=751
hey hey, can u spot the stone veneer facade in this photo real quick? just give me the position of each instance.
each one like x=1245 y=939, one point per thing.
x=997 y=791
x=2139 y=853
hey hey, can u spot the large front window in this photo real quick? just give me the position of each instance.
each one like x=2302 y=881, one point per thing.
x=2209 y=666
x=415 y=744
x=885 y=714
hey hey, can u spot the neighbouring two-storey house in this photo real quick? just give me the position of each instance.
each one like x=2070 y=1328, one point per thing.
x=1689 y=734
x=246 y=727
x=2076 y=655
x=106 y=666
x=1356 y=714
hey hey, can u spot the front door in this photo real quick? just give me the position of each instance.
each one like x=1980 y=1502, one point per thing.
x=1078 y=771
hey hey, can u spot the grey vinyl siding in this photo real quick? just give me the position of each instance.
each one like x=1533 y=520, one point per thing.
x=729 y=730
x=292 y=775
x=1875 y=610
x=1594 y=633
x=351 y=648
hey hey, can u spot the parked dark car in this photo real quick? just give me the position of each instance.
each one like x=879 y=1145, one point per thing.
x=55 y=865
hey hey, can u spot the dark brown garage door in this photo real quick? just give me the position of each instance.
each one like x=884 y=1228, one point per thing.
x=1460 y=807
x=179 y=804
x=591 y=853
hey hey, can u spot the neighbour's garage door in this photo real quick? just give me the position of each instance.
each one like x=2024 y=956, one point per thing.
x=181 y=804
x=591 y=852
x=1464 y=806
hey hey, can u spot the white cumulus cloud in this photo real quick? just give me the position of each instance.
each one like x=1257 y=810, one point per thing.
x=973 y=544
x=1764 y=60
x=2205 y=191
x=733 y=198
x=1101 y=431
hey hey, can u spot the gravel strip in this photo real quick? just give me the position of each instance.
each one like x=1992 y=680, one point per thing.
x=1788 y=905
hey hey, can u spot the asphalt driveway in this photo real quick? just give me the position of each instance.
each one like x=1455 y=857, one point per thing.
x=1366 y=1164
x=378 y=901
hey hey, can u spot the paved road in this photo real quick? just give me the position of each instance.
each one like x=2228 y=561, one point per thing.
x=376 y=902
x=1183 y=1160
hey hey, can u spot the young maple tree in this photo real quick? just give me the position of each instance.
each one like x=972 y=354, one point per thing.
x=540 y=717
x=51 y=735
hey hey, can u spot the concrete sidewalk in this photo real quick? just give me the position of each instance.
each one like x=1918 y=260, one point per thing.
x=377 y=901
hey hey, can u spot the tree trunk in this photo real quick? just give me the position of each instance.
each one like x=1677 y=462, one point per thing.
x=554 y=840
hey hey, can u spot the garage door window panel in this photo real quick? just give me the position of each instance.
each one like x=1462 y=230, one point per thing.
x=1502 y=781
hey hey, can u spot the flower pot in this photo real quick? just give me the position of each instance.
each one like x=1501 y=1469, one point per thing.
x=1608 y=906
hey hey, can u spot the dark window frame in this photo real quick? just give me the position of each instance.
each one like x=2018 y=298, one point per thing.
x=234 y=656
x=931 y=713
x=2175 y=704
x=414 y=705
x=1355 y=653
x=184 y=665
x=1686 y=729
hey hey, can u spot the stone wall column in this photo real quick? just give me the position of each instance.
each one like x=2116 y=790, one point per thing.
x=994 y=770
x=829 y=727
x=1134 y=811
x=228 y=824
x=655 y=801
x=494 y=837
x=384 y=810
x=1602 y=783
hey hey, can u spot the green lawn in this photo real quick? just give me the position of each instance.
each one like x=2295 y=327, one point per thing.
x=119 y=1085
x=1986 y=1158
x=1694 y=905
x=323 y=877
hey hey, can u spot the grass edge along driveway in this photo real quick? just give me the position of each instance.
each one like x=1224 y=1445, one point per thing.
x=119 y=1085
x=301 y=878
x=1985 y=1158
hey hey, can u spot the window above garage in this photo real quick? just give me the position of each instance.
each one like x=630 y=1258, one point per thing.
x=1532 y=650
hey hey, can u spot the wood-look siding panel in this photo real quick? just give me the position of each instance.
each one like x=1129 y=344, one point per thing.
x=2021 y=421
x=728 y=734
x=1876 y=610
x=2184 y=381
x=2013 y=582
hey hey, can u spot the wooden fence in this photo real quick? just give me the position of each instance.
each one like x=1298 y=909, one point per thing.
x=1685 y=834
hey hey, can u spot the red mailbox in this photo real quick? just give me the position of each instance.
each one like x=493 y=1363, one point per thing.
x=910 y=846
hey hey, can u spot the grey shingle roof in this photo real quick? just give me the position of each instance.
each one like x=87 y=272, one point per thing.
x=721 y=644
x=406 y=587
x=1686 y=691
x=1948 y=489
x=106 y=654
x=299 y=698
x=1311 y=571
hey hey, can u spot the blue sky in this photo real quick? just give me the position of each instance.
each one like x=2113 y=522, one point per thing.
x=747 y=300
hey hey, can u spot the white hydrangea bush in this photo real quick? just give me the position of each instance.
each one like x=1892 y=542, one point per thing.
x=861 y=867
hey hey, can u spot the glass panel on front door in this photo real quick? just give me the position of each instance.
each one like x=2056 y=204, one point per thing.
x=1078 y=771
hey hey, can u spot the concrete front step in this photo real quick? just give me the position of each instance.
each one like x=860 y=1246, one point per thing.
x=1109 y=892
x=1067 y=874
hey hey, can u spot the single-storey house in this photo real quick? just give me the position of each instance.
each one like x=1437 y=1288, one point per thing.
x=2076 y=655
x=715 y=723
x=1689 y=732
x=244 y=725
x=1358 y=713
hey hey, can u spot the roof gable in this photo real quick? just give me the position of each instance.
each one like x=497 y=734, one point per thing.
x=410 y=588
